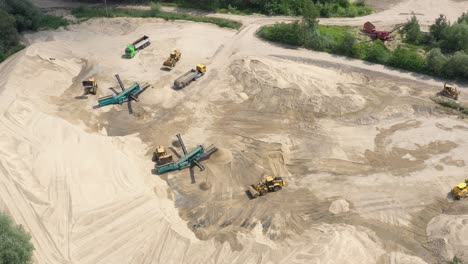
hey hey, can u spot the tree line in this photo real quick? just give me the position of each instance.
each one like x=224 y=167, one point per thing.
x=327 y=8
x=443 y=51
x=17 y=16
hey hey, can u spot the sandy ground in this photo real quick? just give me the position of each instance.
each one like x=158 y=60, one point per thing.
x=368 y=158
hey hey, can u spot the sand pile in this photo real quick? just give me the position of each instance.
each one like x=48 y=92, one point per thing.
x=450 y=234
x=80 y=179
x=275 y=85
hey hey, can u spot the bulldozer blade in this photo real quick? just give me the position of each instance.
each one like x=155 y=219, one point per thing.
x=254 y=193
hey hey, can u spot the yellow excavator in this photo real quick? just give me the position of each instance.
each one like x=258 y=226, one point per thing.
x=269 y=184
x=174 y=57
x=460 y=191
x=161 y=157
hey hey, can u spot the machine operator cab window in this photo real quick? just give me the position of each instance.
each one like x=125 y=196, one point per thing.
x=173 y=55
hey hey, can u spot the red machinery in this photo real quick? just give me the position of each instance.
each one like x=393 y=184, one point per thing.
x=369 y=28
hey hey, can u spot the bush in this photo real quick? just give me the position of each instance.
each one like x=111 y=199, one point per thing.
x=347 y=46
x=286 y=33
x=15 y=246
x=455 y=260
x=52 y=22
x=407 y=59
x=436 y=62
x=457 y=65
x=377 y=52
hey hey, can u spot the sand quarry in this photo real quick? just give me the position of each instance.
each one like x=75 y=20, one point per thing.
x=369 y=159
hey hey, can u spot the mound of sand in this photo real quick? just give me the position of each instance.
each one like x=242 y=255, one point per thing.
x=275 y=85
x=450 y=233
x=339 y=206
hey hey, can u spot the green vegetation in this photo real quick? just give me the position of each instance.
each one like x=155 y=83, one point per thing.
x=15 y=246
x=17 y=16
x=440 y=52
x=85 y=13
x=326 y=8
x=455 y=260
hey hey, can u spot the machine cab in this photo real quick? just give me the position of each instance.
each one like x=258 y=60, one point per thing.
x=130 y=51
x=201 y=68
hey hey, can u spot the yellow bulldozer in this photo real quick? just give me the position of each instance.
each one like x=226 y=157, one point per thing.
x=174 y=57
x=449 y=91
x=269 y=184
x=161 y=157
x=90 y=86
x=460 y=191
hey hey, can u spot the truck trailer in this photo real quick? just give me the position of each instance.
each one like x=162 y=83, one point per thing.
x=190 y=76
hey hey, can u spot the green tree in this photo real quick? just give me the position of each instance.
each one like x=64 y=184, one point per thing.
x=310 y=15
x=412 y=31
x=15 y=244
x=27 y=16
x=438 y=28
x=377 y=52
x=455 y=38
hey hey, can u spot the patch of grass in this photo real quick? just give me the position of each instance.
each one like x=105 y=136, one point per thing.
x=86 y=13
x=334 y=32
x=53 y=22
x=455 y=260
x=452 y=105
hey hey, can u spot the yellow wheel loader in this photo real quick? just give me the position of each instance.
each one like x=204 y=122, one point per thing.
x=174 y=57
x=460 y=191
x=161 y=157
x=269 y=184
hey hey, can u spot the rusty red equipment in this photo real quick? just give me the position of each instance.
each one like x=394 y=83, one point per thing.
x=369 y=28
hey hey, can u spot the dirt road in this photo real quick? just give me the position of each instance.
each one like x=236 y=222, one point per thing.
x=368 y=158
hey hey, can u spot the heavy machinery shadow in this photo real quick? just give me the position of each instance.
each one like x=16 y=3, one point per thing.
x=81 y=97
x=165 y=69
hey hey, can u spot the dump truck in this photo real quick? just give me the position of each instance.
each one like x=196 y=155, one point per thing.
x=90 y=86
x=161 y=157
x=449 y=91
x=460 y=191
x=190 y=76
x=136 y=46
x=174 y=57
x=269 y=184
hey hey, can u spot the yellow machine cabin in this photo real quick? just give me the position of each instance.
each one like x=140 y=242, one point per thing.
x=90 y=86
x=460 y=191
x=174 y=57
